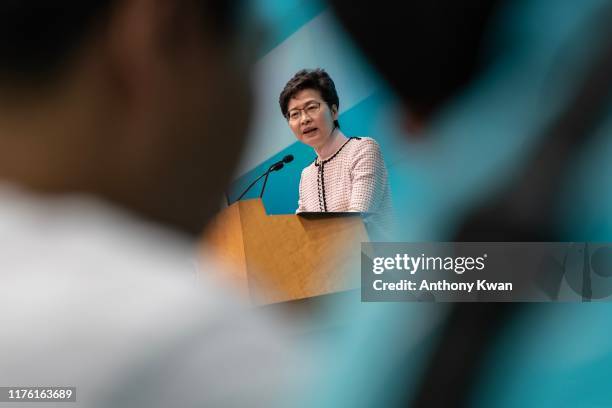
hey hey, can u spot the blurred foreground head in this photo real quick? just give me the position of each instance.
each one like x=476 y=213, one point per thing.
x=544 y=71
x=427 y=50
x=140 y=102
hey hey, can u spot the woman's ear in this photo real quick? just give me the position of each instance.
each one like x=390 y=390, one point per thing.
x=334 y=112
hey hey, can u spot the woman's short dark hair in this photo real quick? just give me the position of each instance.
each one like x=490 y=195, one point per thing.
x=316 y=79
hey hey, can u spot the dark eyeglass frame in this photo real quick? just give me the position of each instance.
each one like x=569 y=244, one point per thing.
x=310 y=109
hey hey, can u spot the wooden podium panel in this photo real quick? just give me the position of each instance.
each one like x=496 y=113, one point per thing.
x=278 y=258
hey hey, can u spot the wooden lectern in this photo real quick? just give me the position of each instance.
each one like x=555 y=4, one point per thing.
x=276 y=258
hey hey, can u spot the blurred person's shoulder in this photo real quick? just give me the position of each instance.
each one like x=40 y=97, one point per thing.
x=103 y=301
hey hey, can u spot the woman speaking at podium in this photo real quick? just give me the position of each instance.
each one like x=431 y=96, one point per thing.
x=348 y=174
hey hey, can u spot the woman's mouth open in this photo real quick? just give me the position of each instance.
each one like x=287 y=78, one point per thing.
x=309 y=131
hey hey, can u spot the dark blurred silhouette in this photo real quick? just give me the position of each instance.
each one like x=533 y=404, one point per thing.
x=114 y=97
x=440 y=50
x=121 y=122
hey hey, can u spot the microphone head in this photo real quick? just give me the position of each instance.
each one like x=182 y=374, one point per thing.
x=288 y=158
x=278 y=166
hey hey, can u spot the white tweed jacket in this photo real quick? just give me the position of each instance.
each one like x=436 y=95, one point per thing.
x=354 y=179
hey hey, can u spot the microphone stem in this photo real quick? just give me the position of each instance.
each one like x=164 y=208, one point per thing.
x=275 y=167
x=263 y=188
x=252 y=184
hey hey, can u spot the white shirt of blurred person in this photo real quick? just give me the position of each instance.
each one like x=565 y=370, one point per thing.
x=348 y=174
x=106 y=181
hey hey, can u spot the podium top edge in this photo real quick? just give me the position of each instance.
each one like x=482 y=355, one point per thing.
x=316 y=215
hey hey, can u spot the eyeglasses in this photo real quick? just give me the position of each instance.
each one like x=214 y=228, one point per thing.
x=311 y=109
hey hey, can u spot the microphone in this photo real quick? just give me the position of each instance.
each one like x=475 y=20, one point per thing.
x=274 y=167
x=277 y=166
